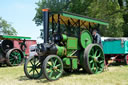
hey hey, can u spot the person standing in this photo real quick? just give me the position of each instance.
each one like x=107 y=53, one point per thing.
x=96 y=37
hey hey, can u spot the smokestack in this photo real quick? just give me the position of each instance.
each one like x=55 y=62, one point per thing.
x=46 y=24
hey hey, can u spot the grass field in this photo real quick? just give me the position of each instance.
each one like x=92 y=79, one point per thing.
x=116 y=75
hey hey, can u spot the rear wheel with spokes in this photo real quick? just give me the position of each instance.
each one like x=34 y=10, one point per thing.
x=14 y=57
x=94 y=59
x=52 y=67
x=32 y=68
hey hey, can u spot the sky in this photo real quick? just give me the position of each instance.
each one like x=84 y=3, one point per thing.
x=19 y=13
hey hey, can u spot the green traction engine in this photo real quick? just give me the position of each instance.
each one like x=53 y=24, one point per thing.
x=9 y=55
x=68 y=46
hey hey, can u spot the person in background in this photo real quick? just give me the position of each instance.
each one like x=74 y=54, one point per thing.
x=96 y=37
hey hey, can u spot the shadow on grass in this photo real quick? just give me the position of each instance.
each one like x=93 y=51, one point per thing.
x=40 y=80
x=44 y=80
x=25 y=78
x=65 y=74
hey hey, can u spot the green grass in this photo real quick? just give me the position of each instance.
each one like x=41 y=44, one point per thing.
x=117 y=75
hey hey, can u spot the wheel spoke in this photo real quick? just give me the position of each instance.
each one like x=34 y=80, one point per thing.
x=33 y=73
x=14 y=62
x=101 y=62
x=58 y=65
x=31 y=62
x=99 y=55
x=18 y=54
x=96 y=67
x=14 y=52
x=92 y=65
x=17 y=61
x=12 y=55
x=50 y=75
x=11 y=58
x=58 y=70
x=19 y=58
x=38 y=63
x=96 y=52
x=52 y=62
x=91 y=61
x=55 y=62
x=96 y=70
x=30 y=70
x=37 y=71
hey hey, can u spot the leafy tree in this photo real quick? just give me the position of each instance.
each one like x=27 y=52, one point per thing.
x=6 y=29
x=107 y=10
x=54 y=5
x=79 y=6
x=124 y=10
x=75 y=6
x=115 y=12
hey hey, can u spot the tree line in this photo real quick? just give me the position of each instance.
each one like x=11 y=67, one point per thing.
x=6 y=28
x=115 y=12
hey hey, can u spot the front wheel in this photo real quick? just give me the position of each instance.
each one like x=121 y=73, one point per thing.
x=32 y=68
x=52 y=67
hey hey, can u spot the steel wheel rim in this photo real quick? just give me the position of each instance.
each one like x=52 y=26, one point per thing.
x=54 y=68
x=96 y=59
x=34 y=67
x=15 y=57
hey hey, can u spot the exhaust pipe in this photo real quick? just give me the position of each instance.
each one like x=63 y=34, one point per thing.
x=46 y=24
